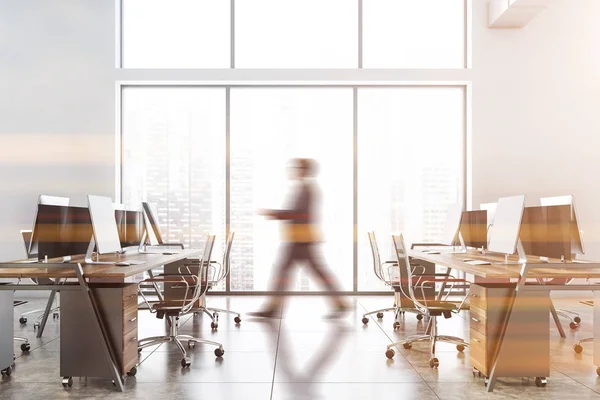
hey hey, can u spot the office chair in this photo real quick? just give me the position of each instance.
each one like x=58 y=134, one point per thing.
x=196 y=286
x=223 y=271
x=578 y=348
x=432 y=309
x=389 y=280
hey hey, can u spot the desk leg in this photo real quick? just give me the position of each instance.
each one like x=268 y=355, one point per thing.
x=561 y=331
x=597 y=331
x=40 y=331
x=99 y=325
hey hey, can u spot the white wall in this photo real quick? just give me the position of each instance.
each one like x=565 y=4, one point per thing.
x=536 y=102
x=535 y=93
x=57 y=107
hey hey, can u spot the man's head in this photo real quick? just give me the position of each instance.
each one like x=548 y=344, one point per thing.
x=302 y=168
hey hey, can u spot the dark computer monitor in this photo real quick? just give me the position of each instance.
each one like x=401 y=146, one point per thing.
x=131 y=227
x=62 y=231
x=473 y=228
x=152 y=220
x=576 y=240
x=32 y=251
x=546 y=231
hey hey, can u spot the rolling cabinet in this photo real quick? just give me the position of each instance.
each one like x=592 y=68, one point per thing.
x=81 y=353
x=526 y=345
x=6 y=332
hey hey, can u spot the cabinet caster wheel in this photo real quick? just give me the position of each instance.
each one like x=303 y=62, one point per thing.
x=540 y=382
x=379 y=315
x=577 y=320
x=6 y=371
x=407 y=346
x=25 y=347
x=237 y=320
x=598 y=371
x=578 y=348
x=434 y=363
x=486 y=380
x=55 y=315
x=573 y=325
x=219 y=352
x=390 y=353
x=186 y=362
x=36 y=325
x=396 y=325
x=67 y=381
x=214 y=325
x=476 y=372
x=419 y=317
x=460 y=347
x=22 y=320
x=365 y=320
x=191 y=344
x=132 y=371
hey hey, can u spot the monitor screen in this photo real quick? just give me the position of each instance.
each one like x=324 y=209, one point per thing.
x=453 y=217
x=576 y=240
x=473 y=228
x=151 y=219
x=62 y=231
x=104 y=224
x=131 y=227
x=45 y=200
x=507 y=224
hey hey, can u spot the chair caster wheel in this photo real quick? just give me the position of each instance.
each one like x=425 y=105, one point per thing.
x=486 y=380
x=6 y=371
x=419 y=317
x=365 y=320
x=577 y=320
x=578 y=348
x=396 y=325
x=407 y=345
x=186 y=362
x=434 y=363
x=540 y=381
x=390 y=353
x=36 y=325
x=214 y=325
x=379 y=315
x=67 y=381
x=22 y=320
x=25 y=347
x=219 y=352
x=139 y=349
x=55 y=315
x=573 y=325
x=598 y=371
x=460 y=347
x=191 y=344
x=237 y=320
x=132 y=371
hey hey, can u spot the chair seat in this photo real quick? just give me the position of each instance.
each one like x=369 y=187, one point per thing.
x=437 y=308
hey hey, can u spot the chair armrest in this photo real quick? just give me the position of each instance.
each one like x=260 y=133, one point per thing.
x=425 y=245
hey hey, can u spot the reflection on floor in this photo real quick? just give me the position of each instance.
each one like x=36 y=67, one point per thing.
x=302 y=356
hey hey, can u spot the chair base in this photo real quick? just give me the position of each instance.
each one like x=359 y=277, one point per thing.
x=573 y=317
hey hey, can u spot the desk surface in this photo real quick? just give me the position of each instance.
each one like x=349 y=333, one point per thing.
x=14 y=269
x=537 y=269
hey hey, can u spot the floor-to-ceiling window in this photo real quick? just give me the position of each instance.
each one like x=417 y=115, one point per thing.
x=209 y=153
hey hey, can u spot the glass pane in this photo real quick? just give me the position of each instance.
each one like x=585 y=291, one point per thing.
x=173 y=148
x=410 y=166
x=176 y=34
x=296 y=34
x=413 y=34
x=268 y=127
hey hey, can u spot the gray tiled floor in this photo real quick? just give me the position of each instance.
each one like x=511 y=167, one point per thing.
x=303 y=356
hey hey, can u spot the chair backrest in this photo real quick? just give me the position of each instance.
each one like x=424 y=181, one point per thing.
x=227 y=255
x=377 y=266
x=406 y=273
x=204 y=262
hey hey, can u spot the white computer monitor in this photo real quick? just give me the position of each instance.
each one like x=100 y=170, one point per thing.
x=507 y=224
x=104 y=224
x=491 y=211
x=452 y=224
x=576 y=241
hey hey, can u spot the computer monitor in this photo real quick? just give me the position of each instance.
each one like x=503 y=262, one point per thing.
x=131 y=227
x=452 y=224
x=507 y=225
x=104 y=226
x=151 y=220
x=63 y=231
x=491 y=211
x=473 y=228
x=576 y=241
x=44 y=199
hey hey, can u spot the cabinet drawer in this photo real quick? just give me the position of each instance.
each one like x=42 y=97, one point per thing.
x=130 y=353
x=130 y=319
x=130 y=296
x=478 y=352
x=478 y=320
x=479 y=296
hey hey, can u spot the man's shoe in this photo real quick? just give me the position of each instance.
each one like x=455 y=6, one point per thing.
x=265 y=314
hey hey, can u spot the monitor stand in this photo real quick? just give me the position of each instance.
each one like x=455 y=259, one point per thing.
x=462 y=249
x=520 y=253
x=89 y=253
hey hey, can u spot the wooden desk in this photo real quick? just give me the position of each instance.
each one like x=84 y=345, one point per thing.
x=89 y=303
x=518 y=308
